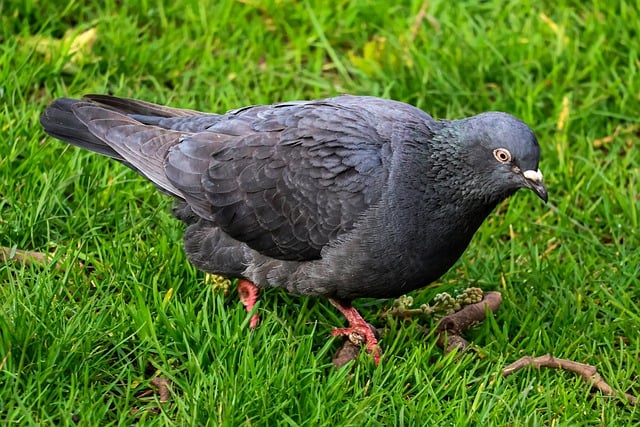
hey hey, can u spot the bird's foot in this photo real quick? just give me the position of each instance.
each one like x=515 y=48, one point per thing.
x=249 y=296
x=359 y=331
x=361 y=335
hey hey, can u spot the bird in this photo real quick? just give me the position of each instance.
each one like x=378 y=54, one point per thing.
x=343 y=198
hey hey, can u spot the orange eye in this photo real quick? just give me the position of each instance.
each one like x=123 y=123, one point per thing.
x=502 y=155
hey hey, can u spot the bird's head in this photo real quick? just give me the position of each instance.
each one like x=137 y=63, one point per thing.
x=503 y=152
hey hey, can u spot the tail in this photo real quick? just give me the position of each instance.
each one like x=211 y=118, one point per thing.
x=59 y=121
x=106 y=125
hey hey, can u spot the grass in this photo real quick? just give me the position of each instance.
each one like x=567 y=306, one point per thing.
x=82 y=344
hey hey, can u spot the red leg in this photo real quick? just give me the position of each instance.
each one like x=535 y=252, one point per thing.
x=357 y=326
x=249 y=296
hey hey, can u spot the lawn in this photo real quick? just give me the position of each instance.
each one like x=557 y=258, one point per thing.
x=83 y=337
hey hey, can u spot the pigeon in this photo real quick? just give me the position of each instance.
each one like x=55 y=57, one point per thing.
x=343 y=198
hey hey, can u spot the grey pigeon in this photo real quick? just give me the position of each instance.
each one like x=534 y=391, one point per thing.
x=344 y=198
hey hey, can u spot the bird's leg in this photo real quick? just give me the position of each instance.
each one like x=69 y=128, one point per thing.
x=358 y=330
x=249 y=296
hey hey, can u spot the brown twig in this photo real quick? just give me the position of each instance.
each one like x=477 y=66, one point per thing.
x=26 y=257
x=350 y=348
x=162 y=385
x=451 y=326
x=347 y=352
x=602 y=142
x=40 y=259
x=588 y=373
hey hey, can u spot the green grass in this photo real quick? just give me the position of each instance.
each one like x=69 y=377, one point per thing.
x=82 y=343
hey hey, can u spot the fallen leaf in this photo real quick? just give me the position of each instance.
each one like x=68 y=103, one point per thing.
x=76 y=48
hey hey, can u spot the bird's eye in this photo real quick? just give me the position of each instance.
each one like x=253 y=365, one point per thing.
x=502 y=155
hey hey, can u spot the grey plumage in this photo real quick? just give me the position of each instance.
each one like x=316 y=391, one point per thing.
x=344 y=197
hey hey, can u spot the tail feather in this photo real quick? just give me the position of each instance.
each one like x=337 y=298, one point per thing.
x=59 y=121
x=137 y=107
x=110 y=132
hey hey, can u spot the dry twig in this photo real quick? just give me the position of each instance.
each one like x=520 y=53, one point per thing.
x=162 y=385
x=349 y=349
x=347 y=352
x=26 y=257
x=588 y=373
x=451 y=326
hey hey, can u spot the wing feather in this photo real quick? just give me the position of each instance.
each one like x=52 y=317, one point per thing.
x=293 y=179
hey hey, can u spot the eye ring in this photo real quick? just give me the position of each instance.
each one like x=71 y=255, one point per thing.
x=502 y=155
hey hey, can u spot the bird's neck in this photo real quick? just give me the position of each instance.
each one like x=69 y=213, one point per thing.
x=436 y=189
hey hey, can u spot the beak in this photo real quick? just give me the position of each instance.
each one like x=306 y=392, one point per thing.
x=533 y=180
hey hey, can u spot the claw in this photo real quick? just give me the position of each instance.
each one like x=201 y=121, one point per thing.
x=359 y=332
